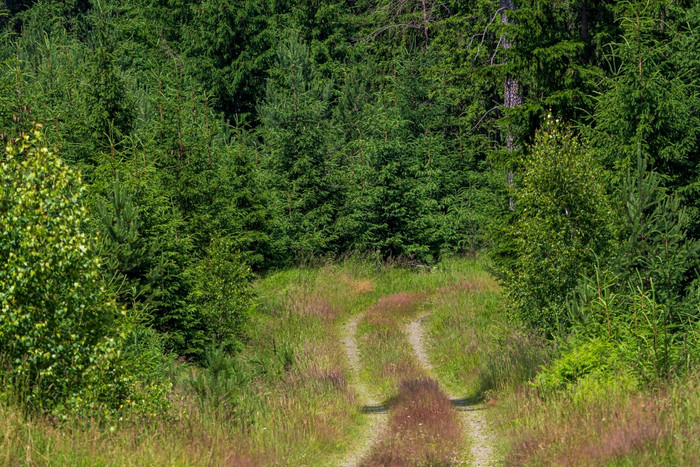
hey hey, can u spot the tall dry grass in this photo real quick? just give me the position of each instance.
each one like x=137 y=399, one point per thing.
x=605 y=422
x=423 y=428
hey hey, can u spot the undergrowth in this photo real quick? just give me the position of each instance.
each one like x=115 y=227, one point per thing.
x=285 y=397
x=387 y=356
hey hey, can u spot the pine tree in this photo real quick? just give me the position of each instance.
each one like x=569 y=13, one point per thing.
x=300 y=154
x=653 y=243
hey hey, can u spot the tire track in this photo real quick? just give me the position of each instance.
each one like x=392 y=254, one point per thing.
x=375 y=409
x=473 y=420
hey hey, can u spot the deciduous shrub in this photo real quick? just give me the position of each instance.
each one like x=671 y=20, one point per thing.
x=61 y=333
x=563 y=216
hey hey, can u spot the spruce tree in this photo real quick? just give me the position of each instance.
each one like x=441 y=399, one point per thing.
x=300 y=154
x=649 y=104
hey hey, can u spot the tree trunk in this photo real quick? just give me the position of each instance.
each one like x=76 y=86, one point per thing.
x=512 y=95
x=425 y=23
x=584 y=32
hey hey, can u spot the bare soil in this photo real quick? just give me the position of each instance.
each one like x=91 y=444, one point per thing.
x=472 y=415
x=374 y=409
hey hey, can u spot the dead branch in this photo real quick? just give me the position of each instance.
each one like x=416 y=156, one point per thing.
x=483 y=34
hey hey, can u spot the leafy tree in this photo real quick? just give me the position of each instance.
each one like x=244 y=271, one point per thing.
x=562 y=221
x=59 y=326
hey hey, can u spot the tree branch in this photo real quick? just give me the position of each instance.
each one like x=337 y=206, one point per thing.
x=500 y=39
x=483 y=34
x=482 y=118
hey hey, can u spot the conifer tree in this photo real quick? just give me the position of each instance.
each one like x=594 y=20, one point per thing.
x=394 y=191
x=300 y=153
x=653 y=243
x=648 y=104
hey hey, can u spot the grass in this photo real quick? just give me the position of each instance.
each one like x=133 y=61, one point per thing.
x=605 y=423
x=185 y=442
x=387 y=357
x=474 y=346
x=460 y=329
x=423 y=428
x=292 y=404
x=479 y=352
x=287 y=399
x=310 y=410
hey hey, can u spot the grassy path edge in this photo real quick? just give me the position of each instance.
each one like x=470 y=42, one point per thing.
x=473 y=420
x=378 y=418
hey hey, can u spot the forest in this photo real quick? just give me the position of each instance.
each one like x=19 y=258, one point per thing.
x=349 y=232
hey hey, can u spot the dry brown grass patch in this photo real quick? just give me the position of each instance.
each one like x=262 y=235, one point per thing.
x=405 y=368
x=358 y=286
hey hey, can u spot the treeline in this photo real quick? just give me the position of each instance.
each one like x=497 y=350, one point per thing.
x=217 y=140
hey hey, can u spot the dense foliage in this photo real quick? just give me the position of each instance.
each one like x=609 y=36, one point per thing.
x=218 y=140
x=61 y=331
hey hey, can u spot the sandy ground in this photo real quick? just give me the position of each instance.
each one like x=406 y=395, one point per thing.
x=373 y=409
x=472 y=416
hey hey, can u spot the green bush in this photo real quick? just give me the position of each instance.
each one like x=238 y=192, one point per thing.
x=61 y=332
x=592 y=358
x=563 y=218
x=221 y=293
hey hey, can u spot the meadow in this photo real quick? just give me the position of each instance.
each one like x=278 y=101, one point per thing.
x=290 y=395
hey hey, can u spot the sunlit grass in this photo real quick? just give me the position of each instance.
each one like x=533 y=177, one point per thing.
x=294 y=403
x=387 y=357
x=480 y=352
x=459 y=330
x=604 y=422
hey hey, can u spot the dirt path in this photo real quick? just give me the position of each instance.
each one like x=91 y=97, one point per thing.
x=473 y=418
x=415 y=338
x=374 y=409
